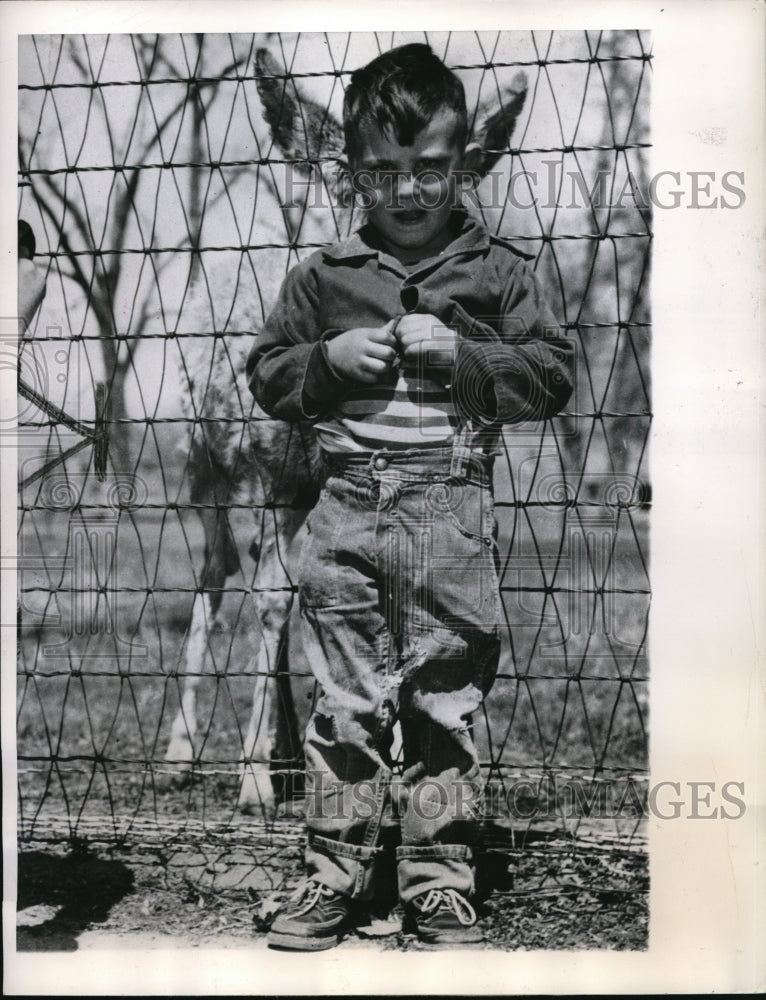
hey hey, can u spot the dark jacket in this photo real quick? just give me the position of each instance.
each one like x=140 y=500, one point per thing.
x=512 y=362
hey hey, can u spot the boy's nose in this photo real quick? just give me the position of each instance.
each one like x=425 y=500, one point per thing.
x=405 y=185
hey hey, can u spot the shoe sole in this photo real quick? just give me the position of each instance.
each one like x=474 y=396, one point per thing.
x=450 y=939
x=434 y=938
x=298 y=942
x=442 y=945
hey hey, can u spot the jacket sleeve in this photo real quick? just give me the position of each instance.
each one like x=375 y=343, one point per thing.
x=288 y=370
x=513 y=367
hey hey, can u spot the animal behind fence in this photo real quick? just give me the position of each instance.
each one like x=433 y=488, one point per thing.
x=168 y=241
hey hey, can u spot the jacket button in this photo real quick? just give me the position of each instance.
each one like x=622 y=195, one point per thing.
x=380 y=463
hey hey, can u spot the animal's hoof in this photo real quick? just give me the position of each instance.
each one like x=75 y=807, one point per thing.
x=180 y=753
x=256 y=796
x=178 y=764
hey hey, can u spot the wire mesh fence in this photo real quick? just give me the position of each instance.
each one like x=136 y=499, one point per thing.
x=171 y=182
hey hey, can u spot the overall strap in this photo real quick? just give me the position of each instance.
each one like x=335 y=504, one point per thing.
x=461 y=448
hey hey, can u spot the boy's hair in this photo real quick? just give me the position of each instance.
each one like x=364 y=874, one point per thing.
x=398 y=93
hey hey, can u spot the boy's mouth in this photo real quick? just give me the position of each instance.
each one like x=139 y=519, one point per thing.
x=411 y=216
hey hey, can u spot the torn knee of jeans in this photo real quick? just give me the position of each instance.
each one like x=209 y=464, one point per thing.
x=371 y=729
x=440 y=646
x=453 y=653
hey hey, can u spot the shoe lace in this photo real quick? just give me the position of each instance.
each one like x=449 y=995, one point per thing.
x=450 y=899
x=309 y=893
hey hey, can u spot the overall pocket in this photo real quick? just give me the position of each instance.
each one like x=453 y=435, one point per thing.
x=467 y=507
x=458 y=581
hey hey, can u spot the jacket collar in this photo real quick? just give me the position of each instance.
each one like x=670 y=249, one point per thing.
x=470 y=236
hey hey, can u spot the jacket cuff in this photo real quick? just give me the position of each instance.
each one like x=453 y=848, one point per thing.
x=508 y=385
x=474 y=385
x=321 y=385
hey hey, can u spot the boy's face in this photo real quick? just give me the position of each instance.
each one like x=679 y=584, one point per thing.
x=409 y=191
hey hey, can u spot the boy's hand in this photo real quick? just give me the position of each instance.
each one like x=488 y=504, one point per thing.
x=363 y=353
x=422 y=333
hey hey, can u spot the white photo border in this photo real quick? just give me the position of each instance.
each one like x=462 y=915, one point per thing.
x=707 y=469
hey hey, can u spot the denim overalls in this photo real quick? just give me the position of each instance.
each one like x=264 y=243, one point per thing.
x=401 y=615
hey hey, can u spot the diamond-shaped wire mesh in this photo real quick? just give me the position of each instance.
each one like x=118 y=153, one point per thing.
x=161 y=200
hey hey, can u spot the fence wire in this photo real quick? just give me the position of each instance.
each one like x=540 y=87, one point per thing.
x=168 y=206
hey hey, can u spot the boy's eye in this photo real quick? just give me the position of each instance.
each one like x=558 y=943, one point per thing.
x=383 y=174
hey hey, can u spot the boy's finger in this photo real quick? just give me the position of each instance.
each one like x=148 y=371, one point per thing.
x=409 y=337
x=374 y=365
x=416 y=329
x=416 y=346
x=419 y=319
x=385 y=352
x=384 y=334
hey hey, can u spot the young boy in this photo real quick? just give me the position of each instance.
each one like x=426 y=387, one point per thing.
x=407 y=345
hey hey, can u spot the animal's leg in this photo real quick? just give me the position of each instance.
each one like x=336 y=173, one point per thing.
x=183 y=732
x=273 y=730
x=220 y=562
x=273 y=611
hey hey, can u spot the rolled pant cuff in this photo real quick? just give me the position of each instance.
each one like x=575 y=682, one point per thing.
x=438 y=866
x=346 y=868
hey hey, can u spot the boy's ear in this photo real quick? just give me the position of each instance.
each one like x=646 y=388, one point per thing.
x=344 y=184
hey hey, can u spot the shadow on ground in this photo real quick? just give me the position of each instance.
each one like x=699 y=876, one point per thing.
x=77 y=890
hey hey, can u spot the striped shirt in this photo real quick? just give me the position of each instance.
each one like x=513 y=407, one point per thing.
x=405 y=410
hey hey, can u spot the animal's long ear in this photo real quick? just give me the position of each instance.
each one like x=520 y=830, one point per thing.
x=493 y=126
x=303 y=129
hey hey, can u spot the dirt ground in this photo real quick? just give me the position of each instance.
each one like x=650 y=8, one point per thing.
x=543 y=894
